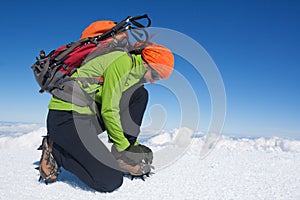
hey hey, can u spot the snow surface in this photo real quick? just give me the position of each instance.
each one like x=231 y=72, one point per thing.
x=237 y=168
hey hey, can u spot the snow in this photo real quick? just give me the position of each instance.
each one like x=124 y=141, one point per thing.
x=236 y=168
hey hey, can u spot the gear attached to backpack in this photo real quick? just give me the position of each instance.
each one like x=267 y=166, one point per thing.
x=53 y=71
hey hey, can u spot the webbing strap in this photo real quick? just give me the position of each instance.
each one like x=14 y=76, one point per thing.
x=68 y=50
x=44 y=71
x=51 y=75
x=84 y=81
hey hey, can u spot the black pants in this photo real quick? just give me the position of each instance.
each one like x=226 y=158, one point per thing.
x=132 y=108
x=77 y=148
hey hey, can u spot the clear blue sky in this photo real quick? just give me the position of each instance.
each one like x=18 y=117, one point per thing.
x=255 y=45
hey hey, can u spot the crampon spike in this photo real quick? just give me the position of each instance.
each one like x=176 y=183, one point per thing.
x=141 y=176
x=137 y=177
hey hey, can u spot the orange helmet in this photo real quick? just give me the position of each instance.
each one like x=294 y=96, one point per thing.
x=97 y=28
x=160 y=58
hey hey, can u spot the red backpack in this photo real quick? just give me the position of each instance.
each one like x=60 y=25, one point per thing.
x=52 y=72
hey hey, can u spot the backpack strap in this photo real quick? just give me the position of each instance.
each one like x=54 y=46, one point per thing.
x=51 y=74
x=73 y=93
x=70 y=47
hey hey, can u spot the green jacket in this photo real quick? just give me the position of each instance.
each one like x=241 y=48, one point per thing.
x=120 y=72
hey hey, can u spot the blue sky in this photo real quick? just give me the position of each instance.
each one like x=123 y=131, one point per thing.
x=254 y=44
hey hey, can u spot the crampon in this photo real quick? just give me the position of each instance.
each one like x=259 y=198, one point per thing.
x=48 y=167
x=138 y=171
x=131 y=176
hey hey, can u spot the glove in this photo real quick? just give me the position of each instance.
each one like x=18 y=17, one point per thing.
x=135 y=160
x=137 y=154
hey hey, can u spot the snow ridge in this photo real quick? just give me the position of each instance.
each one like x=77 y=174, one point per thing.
x=29 y=135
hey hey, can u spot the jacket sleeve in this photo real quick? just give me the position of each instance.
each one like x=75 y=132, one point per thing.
x=114 y=82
